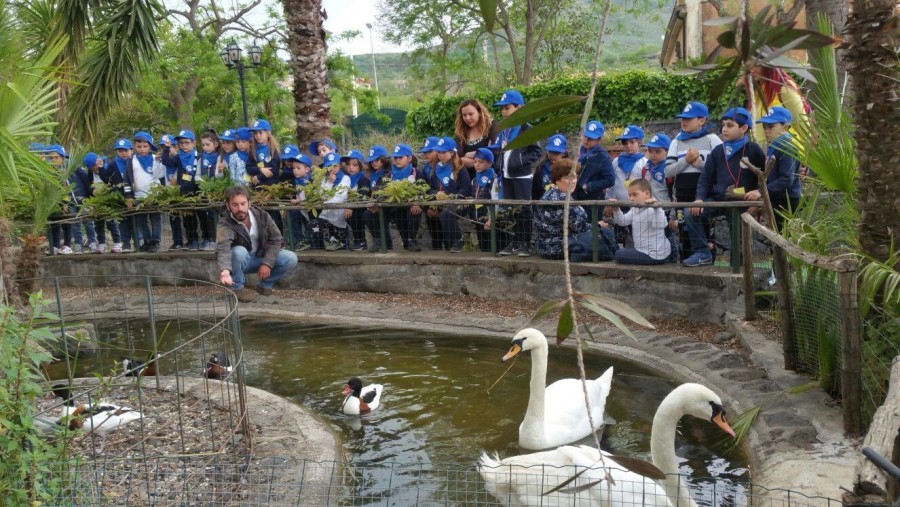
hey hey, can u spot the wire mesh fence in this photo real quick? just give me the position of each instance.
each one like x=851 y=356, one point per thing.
x=278 y=482
x=880 y=345
x=128 y=390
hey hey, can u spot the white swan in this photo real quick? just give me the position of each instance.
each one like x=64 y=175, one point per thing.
x=359 y=399
x=522 y=480
x=556 y=414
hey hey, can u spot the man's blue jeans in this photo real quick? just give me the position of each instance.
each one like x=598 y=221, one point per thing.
x=243 y=262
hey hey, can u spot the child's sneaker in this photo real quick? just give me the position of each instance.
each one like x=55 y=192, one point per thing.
x=207 y=246
x=456 y=247
x=359 y=246
x=176 y=246
x=101 y=248
x=78 y=249
x=333 y=244
x=65 y=251
x=193 y=246
x=117 y=248
x=127 y=249
x=55 y=251
x=92 y=246
x=301 y=246
x=699 y=259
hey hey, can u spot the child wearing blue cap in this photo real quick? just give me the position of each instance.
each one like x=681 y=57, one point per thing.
x=448 y=179
x=516 y=168
x=429 y=155
x=486 y=186
x=689 y=150
x=81 y=180
x=724 y=178
x=629 y=165
x=353 y=163
x=115 y=178
x=379 y=163
x=783 y=183
x=596 y=173
x=238 y=161
x=322 y=147
x=98 y=174
x=265 y=168
x=301 y=172
x=189 y=170
x=655 y=168
x=406 y=219
x=143 y=172
x=227 y=142
x=556 y=148
x=329 y=229
x=61 y=234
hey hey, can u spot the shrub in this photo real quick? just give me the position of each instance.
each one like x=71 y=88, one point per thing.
x=630 y=97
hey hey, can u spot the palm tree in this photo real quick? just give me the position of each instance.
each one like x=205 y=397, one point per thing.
x=306 y=41
x=874 y=67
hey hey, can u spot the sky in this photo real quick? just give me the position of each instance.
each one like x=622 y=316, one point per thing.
x=346 y=15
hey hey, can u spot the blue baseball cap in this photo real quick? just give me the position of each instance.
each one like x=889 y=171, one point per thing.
x=402 y=150
x=260 y=124
x=445 y=144
x=289 y=151
x=776 y=114
x=144 y=136
x=331 y=159
x=659 y=140
x=694 y=110
x=90 y=160
x=376 y=152
x=123 y=144
x=631 y=132
x=58 y=149
x=353 y=154
x=167 y=137
x=484 y=154
x=430 y=144
x=314 y=146
x=557 y=143
x=594 y=130
x=37 y=148
x=510 y=97
x=242 y=134
x=185 y=134
x=740 y=115
x=228 y=135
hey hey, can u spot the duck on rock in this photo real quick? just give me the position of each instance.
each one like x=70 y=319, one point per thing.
x=360 y=400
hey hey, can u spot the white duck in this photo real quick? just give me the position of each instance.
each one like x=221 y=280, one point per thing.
x=522 y=480
x=359 y=399
x=100 y=418
x=556 y=415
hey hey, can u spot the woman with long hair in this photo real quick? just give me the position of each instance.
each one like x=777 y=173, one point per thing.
x=774 y=87
x=474 y=128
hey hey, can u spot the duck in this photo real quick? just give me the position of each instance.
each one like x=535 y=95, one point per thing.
x=136 y=368
x=360 y=400
x=218 y=367
x=523 y=480
x=556 y=414
x=99 y=418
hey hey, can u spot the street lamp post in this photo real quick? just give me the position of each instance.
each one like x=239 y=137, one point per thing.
x=231 y=57
x=374 y=68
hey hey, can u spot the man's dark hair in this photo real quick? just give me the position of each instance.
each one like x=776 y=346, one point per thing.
x=232 y=192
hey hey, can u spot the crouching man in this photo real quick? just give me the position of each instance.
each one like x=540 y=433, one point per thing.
x=248 y=241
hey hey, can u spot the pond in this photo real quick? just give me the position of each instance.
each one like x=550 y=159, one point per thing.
x=437 y=411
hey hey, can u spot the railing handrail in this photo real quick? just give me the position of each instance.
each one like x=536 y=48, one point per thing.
x=837 y=264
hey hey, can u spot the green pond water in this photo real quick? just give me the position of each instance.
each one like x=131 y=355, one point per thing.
x=436 y=411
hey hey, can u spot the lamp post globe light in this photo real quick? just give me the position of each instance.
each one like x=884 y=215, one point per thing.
x=231 y=57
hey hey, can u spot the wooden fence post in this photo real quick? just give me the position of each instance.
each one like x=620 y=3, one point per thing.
x=747 y=263
x=785 y=306
x=851 y=347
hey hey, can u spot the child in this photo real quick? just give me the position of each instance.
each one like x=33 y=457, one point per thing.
x=81 y=180
x=655 y=169
x=515 y=167
x=724 y=177
x=353 y=168
x=407 y=219
x=301 y=167
x=449 y=179
x=237 y=162
x=596 y=173
x=648 y=225
x=429 y=155
x=555 y=150
x=378 y=163
x=265 y=166
x=229 y=148
x=486 y=186
x=210 y=168
x=142 y=173
x=330 y=228
x=629 y=165
x=100 y=174
x=322 y=147
x=115 y=171
x=175 y=222
x=61 y=234
x=188 y=174
x=783 y=183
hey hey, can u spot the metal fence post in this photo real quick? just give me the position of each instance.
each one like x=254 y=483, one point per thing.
x=152 y=314
x=734 y=231
x=382 y=229
x=747 y=263
x=492 y=214
x=851 y=355
x=595 y=239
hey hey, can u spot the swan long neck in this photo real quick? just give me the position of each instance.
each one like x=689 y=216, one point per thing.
x=535 y=411
x=662 y=450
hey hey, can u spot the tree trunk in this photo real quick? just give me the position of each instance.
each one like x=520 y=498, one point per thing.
x=306 y=41
x=8 y=294
x=873 y=30
x=836 y=12
x=530 y=15
x=29 y=264
x=183 y=103
x=882 y=436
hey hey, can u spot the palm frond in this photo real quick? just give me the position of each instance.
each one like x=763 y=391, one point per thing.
x=880 y=281
x=125 y=42
x=32 y=20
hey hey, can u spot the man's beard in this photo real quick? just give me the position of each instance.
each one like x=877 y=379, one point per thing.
x=240 y=216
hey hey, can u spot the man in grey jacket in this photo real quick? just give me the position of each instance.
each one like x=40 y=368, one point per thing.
x=248 y=241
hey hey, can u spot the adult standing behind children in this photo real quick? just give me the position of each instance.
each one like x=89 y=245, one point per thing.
x=474 y=128
x=248 y=241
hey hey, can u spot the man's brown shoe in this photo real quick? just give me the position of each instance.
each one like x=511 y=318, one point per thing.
x=264 y=292
x=246 y=295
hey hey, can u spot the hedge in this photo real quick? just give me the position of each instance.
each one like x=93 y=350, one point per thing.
x=631 y=97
